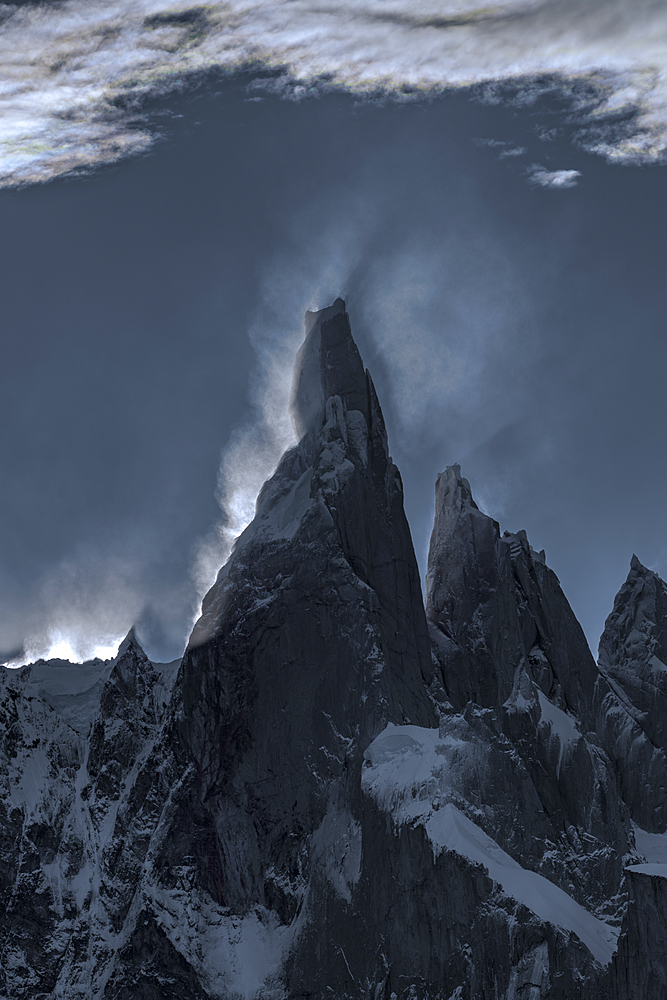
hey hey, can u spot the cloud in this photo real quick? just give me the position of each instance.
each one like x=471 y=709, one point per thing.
x=513 y=151
x=88 y=605
x=73 y=74
x=553 y=178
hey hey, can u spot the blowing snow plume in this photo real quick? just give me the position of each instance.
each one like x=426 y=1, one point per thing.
x=72 y=73
x=294 y=283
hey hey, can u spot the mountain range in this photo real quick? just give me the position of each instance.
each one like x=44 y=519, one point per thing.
x=345 y=789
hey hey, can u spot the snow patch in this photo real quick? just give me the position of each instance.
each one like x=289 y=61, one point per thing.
x=357 y=433
x=72 y=689
x=658 y=668
x=562 y=726
x=406 y=774
x=529 y=978
x=234 y=956
x=336 y=846
x=650 y=869
x=287 y=514
x=651 y=846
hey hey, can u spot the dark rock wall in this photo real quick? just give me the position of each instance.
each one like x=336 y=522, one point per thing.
x=631 y=696
x=640 y=966
x=507 y=640
x=317 y=635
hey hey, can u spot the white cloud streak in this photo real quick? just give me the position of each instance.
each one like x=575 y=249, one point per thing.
x=69 y=73
x=89 y=603
x=553 y=178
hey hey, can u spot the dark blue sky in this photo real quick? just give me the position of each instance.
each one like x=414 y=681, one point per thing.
x=515 y=328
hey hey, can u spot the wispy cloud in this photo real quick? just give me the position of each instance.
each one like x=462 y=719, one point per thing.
x=71 y=73
x=552 y=178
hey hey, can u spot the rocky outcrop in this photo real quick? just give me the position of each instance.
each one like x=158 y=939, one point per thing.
x=631 y=696
x=640 y=967
x=514 y=659
x=497 y=612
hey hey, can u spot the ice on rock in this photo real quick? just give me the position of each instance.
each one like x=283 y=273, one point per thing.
x=71 y=689
x=407 y=775
x=654 y=868
x=651 y=846
x=562 y=726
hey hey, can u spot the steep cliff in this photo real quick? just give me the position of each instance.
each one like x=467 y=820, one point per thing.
x=507 y=640
x=631 y=697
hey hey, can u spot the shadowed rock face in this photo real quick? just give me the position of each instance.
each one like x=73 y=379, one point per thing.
x=497 y=612
x=640 y=967
x=631 y=696
x=314 y=636
x=342 y=794
x=507 y=641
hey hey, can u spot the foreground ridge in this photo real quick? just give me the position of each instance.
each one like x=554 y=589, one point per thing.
x=342 y=790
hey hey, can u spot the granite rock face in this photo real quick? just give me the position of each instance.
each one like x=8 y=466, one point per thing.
x=640 y=967
x=507 y=640
x=340 y=791
x=497 y=611
x=631 y=695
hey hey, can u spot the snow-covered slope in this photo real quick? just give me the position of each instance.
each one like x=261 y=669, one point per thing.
x=409 y=774
x=70 y=750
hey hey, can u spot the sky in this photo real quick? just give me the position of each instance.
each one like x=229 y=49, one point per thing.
x=484 y=187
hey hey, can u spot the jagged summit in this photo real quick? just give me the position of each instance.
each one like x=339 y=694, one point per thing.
x=131 y=670
x=637 y=566
x=129 y=642
x=632 y=694
x=317 y=316
x=328 y=364
x=496 y=612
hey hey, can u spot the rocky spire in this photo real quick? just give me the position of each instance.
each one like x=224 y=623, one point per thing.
x=631 y=698
x=328 y=364
x=313 y=638
x=127 y=716
x=506 y=639
x=495 y=609
x=468 y=586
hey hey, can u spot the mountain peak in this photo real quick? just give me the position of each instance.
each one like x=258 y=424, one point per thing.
x=452 y=489
x=328 y=364
x=320 y=316
x=130 y=641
